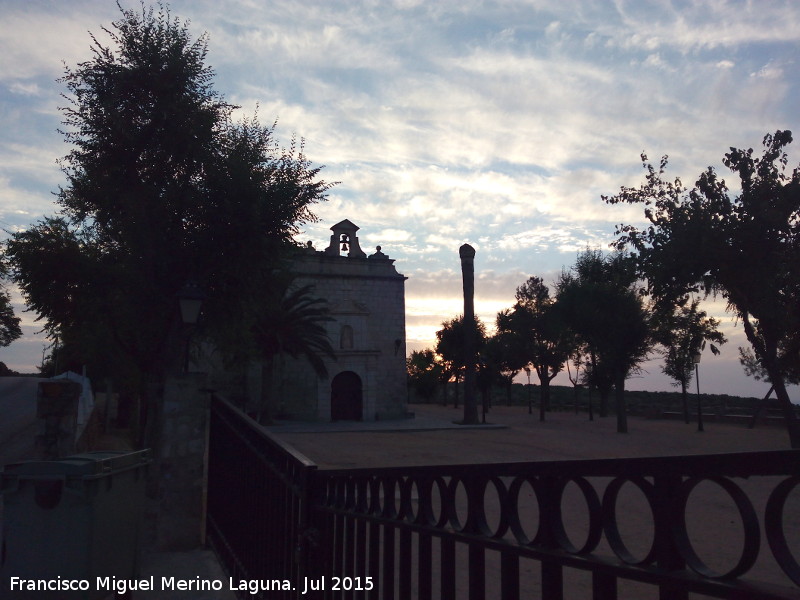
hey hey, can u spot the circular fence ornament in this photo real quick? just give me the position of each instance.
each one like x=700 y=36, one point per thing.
x=773 y=525
x=594 y=512
x=610 y=518
x=752 y=536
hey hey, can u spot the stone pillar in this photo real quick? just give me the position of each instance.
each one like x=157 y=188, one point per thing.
x=467 y=254
x=179 y=509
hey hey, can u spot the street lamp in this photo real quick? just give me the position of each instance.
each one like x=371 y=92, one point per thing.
x=190 y=299
x=530 y=404
x=696 y=361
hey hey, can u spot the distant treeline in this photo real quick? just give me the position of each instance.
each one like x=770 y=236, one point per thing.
x=563 y=398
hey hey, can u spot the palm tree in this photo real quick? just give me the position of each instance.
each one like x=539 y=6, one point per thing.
x=292 y=324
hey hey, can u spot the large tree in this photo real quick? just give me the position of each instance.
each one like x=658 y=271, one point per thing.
x=744 y=245
x=162 y=188
x=600 y=303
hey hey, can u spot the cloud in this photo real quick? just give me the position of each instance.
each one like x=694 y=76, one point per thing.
x=560 y=239
x=390 y=235
x=769 y=71
x=699 y=25
x=500 y=124
x=25 y=89
x=60 y=35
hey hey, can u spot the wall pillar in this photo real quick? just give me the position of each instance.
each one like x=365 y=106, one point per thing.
x=179 y=510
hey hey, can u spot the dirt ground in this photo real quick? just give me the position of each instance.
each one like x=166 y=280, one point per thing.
x=562 y=436
x=712 y=519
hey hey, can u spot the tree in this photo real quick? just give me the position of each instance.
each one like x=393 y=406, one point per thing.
x=599 y=302
x=162 y=189
x=450 y=346
x=744 y=246
x=545 y=342
x=424 y=373
x=683 y=332
x=790 y=366
x=9 y=322
x=509 y=350
x=577 y=358
x=6 y=372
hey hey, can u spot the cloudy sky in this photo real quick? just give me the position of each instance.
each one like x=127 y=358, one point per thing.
x=494 y=123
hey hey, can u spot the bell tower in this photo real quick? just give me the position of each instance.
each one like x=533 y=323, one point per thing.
x=344 y=240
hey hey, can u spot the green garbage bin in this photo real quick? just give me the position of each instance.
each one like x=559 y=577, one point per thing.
x=71 y=527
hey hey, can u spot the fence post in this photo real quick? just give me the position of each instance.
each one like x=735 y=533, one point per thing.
x=311 y=552
x=667 y=556
x=549 y=510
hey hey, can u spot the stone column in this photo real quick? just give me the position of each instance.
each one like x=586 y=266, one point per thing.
x=467 y=254
x=179 y=509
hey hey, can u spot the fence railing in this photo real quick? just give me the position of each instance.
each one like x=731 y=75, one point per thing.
x=257 y=502
x=721 y=526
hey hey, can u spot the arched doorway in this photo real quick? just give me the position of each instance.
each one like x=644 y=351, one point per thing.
x=346 y=399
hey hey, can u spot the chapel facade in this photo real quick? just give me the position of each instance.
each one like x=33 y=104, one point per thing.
x=366 y=298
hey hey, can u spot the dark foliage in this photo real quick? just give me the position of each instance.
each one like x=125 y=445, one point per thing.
x=162 y=189
x=743 y=245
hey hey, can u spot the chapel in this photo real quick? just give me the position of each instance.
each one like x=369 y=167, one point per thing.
x=366 y=298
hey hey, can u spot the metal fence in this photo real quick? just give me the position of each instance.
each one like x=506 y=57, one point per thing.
x=718 y=526
x=257 y=501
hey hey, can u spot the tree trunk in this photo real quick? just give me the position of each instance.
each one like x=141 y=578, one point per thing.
x=759 y=407
x=789 y=416
x=685 y=398
x=767 y=352
x=604 y=392
x=544 y=395
x=622 y=412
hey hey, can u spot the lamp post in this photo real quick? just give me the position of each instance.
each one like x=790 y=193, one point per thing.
x=190 y=299
x=530 y=403
x=696 y=361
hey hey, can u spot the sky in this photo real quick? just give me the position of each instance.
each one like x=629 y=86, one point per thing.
x=498 y=124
